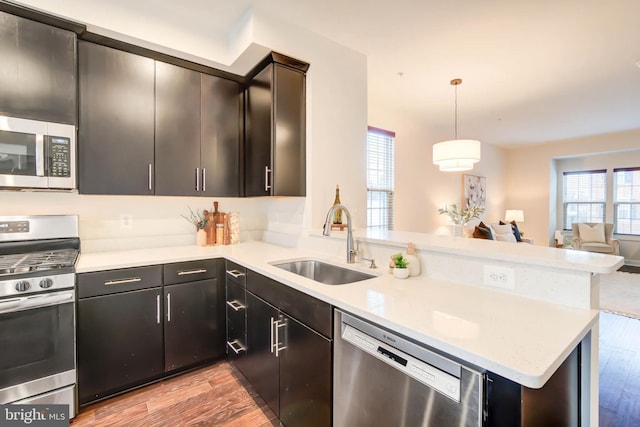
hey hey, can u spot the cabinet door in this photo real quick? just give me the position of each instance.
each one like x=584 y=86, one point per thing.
x=177 y=127
x=261 y=365
x=220 y=137
x=258 y=134
x=305 y=377
x=289 y=148
x=37 y=71
x=115 y=138
x=191 y=329
x=119 y=342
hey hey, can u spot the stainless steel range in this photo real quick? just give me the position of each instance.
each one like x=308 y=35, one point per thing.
x=37 y=309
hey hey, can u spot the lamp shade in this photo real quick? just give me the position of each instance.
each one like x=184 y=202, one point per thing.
x=456 y=155
x=514 y=215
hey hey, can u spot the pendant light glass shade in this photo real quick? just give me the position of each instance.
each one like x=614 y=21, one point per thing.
x=458 y=154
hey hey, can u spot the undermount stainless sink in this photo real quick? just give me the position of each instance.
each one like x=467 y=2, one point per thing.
x=322 y=272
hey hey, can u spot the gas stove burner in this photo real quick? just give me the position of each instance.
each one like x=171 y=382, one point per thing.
x=37 y=261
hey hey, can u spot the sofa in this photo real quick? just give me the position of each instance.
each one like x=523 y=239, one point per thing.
x=500 y=231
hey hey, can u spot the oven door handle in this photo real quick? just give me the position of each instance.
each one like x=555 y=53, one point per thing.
x=36 y=301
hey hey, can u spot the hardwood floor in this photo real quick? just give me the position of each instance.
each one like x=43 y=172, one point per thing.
x=619 y=371
x=216 y=395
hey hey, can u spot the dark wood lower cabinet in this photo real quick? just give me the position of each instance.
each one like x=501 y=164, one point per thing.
x=305 y=376
x=288 y=364
x=192 y=332
x=261 y=367
x=119 y=342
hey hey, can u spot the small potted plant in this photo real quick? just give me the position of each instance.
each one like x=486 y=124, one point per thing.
x=400 y=263
x=199 y=221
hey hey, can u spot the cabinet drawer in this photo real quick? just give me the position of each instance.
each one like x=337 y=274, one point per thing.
x=190 y=271
x=236 y=273
x=115 y=281
x=311 y=311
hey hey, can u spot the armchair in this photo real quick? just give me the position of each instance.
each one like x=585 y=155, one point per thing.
x=606 y=245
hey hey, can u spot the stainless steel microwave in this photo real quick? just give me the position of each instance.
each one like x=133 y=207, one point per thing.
x=37 y=155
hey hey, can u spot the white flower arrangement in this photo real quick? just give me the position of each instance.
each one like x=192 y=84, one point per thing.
x=461 y=217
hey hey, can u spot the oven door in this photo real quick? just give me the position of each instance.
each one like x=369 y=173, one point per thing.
x=38 y=345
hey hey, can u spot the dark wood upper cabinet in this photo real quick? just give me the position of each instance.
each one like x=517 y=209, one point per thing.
x=177 y=124
x=275 y=146
x=220 y=136
x=37 y=71
x=116 y=132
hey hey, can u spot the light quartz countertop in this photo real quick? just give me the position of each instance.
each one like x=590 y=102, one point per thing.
x=519 y=338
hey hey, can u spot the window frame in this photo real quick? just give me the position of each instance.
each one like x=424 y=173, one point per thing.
x=631 y=203
x=385 y=181
x=592 y=202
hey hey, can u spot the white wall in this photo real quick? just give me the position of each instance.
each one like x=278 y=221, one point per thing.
x=531 y=176
x=336 y=133
x=420 y=187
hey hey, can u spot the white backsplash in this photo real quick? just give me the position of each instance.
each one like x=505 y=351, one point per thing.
x=110 y=223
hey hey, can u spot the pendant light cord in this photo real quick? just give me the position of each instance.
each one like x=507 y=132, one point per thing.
x=455 y=121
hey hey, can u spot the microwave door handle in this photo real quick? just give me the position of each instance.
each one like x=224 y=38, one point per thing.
x=40 y=155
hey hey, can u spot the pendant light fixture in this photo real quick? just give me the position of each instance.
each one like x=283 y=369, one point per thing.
x=458 y=154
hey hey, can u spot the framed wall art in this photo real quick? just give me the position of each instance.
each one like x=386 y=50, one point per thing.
x=474 y=191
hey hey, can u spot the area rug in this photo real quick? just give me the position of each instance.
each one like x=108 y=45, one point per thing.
x=620 y=294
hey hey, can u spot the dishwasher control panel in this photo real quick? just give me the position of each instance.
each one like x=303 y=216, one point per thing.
x=431 y=376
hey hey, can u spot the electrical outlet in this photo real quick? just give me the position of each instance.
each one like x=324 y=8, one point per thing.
x=126 y=221
x=499 y=277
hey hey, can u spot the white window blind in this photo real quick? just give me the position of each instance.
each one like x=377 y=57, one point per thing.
x=626 y=200
x=380 y=186
x=584 y=196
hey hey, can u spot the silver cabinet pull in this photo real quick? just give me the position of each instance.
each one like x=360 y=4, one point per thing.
x=158 y=309
x=187 y=272
x=204 y=179
x=271 y=325
x=235 y=305
x=279 y=324
x=150 y=175
x=267 y=171
x=197 y=179
x=168 y=307
x=236 y=346
x=123 y=281
x=235 y=273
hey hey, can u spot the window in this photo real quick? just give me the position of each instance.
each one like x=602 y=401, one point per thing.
x=626 y=200
x=584 y=196
x=380 y=178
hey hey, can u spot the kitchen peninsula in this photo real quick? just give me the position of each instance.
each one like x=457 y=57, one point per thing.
x=523 y=331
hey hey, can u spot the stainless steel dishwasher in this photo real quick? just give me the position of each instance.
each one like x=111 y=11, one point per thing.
x=383 y=379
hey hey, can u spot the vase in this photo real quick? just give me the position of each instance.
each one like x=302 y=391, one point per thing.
x=400 y=273
x=457 y=230
x=201 y=238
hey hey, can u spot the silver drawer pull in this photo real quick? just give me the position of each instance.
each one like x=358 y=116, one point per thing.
x=235 y=305
x=235 y=273
x=123 y=281
x=235 y=346
x=186 y=272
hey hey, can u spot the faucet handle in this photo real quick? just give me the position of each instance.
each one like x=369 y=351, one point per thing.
x=372 y=262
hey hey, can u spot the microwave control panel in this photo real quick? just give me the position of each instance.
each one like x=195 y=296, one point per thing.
x=59 y=156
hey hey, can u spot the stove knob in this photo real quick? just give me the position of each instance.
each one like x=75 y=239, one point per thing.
x=46 y=283
x=23 y=286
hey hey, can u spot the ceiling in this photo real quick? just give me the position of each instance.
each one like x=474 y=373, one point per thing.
x=533 y=71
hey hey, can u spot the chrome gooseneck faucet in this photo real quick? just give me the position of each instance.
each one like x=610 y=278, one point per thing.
x=351 y=252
